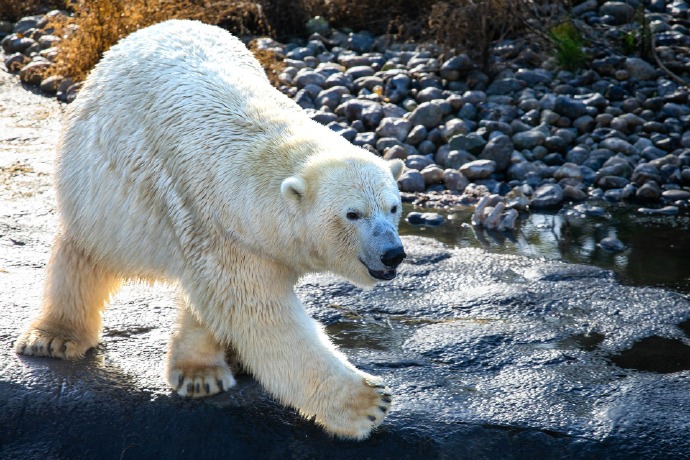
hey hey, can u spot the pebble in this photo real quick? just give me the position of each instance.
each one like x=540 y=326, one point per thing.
x=612 y=244
x=478 y=169
x=546 y=196
x=431 y=219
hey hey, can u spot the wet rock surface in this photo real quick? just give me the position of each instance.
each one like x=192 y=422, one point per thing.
x=488 y=355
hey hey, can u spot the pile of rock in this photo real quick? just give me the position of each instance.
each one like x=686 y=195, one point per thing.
x=30 y=50
x=534 y=135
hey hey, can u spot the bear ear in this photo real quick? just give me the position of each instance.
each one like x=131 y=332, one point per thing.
x=396 y=167
x=293 y=188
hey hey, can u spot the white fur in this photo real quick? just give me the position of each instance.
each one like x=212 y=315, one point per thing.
x=179 y=161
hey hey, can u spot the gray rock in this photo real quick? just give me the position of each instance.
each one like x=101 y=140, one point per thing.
x=411 y=181
x=548 y=195
x=649 y=191
x=427 y=114
x=427 y=218
x=621 y=12
x=568 y=107
x=519 y=171
x=457 y=158
x=640 y=69
x=359 y=72
x=369 y=112
x=504 y=87
x=645 y=172
x=528 y=140
x=308 y=76
x=478 y=169
x=418 y=162
x=360 y=42
x=416 y=135
x=499 y=150
x=568 y=171
x=675 y=195
x=394 y=127
x=397 y=87
x=426 y=147
x=534 y=77
x=665 y=211
x=395 y=151
x=429 y=94
x=616 y=144
x=585 y=7
x=432 y=175
x=318 y=25
x=454 y=180
x=456 y=67
x=571 y=193
x=612 y=244
x=472 y=143
x=363 y=139
x=344 y=131
x=609 y=182
x=455 y=127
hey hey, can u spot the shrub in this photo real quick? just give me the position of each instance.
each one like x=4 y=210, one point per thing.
x=568 y=46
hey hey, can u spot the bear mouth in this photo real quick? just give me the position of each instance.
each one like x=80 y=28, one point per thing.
x=385 y=275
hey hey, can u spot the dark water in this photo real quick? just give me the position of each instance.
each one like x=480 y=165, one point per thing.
x=657 y=247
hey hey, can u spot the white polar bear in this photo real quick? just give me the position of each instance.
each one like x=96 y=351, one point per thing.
x=179 y=161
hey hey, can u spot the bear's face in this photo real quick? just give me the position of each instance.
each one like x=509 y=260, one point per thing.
x=353 y=209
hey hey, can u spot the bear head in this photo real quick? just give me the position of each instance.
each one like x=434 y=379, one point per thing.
x=353 y=207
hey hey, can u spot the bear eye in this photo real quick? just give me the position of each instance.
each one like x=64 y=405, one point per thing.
x=394 y=209
x=352 y=215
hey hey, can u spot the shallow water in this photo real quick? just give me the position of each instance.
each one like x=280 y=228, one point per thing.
x=657 y=247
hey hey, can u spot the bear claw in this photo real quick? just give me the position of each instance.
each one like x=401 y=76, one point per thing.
x=196 y=381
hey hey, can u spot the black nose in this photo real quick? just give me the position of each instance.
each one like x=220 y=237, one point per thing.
x=393 y=257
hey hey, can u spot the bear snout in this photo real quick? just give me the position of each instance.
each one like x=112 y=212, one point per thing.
x=393 y=257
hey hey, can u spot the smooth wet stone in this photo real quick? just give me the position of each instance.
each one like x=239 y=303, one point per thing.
x=425 y=218
x=673 y=195
x=499 y=150
x=397 y=128
x=640 y=69
x=411 y=181
x=427 y=114
x=612 y=244
x=472 y=143
x=478 y=169
x=546 y=196
x=665 y=211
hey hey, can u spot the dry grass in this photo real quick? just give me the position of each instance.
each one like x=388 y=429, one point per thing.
x=101 y=23
x=465 y=25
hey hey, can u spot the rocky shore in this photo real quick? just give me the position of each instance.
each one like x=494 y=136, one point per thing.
x=532 y=136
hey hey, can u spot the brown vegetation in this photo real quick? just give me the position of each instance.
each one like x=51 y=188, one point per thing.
x=465 y=25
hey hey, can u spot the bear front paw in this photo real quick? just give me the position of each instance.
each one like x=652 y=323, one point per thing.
x=195 y=381
x=36 y=342
x=363 y=409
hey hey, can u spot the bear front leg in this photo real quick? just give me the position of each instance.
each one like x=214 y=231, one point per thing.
x=196 y=360
x=75 y=294
x=288 y=352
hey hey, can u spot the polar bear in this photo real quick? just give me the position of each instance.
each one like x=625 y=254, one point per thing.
x=180 y=162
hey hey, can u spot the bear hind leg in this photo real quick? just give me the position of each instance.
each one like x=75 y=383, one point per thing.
x=75 y=294
x=196 y=360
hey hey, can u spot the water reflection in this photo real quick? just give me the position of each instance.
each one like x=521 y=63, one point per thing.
x=657 y=248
